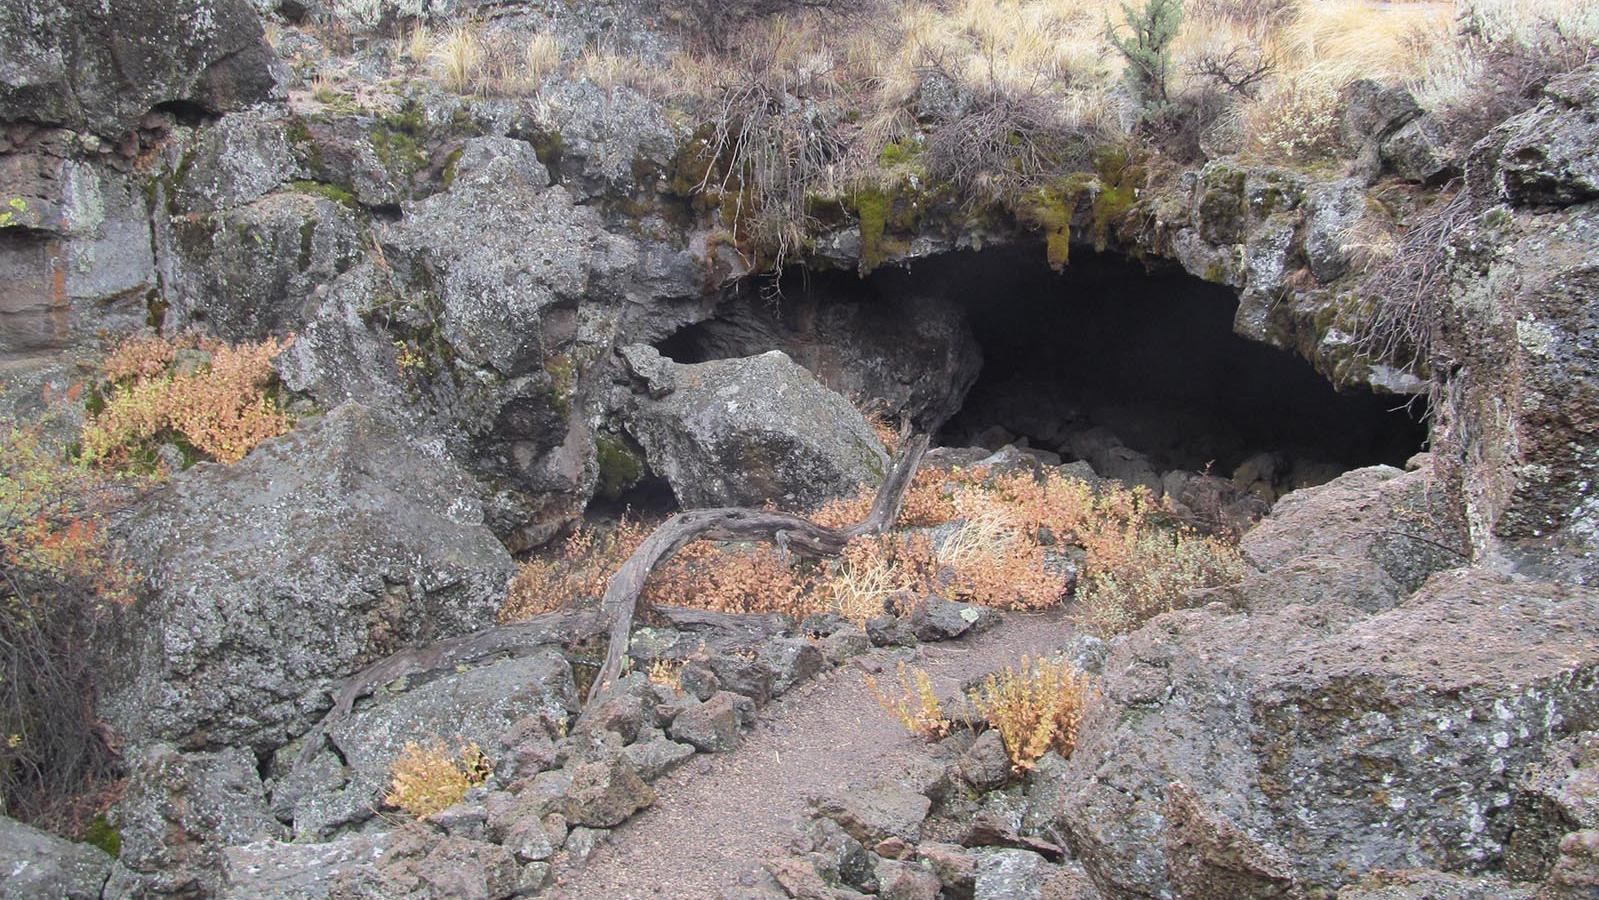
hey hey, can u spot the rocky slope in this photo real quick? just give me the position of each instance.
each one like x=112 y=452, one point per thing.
x=476 y=286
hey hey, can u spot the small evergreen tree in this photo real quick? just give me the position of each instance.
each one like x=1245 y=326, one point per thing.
x=1148 y=49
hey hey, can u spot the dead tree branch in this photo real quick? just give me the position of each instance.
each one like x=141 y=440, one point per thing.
x=624 y=594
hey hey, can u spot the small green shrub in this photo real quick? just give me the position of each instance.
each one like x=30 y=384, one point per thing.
x=1148 y=49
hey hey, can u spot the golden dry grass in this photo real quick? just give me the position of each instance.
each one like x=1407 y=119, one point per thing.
x=912 y=703
x=1035 y=709
x=429 y=779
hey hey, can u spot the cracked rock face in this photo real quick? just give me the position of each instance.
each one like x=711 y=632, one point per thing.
x=322 y=551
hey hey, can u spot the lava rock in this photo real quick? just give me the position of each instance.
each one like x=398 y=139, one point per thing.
x=1549 y=158
x=791 y=661
x=1009 y=875
x=472 y=707
x=1557 y=796
x=713 y=726
x=605 y=792
x=742 y=432
x=955 y=866
x=278 y=869
x=889 y=631
x=937 y=619
x=39 y=864
x=877 y=812
x=657 y=757
x=985 y=765
x=898 y=880
x=1260 y=738
x=259 y=605
x=178 y=813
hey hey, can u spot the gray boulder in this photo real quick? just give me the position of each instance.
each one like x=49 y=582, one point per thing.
x=1549 y=157
x=1276 y=746
x=179 y=811
x=246 y=272
x=476 y=706
x=296 y=871
x=742 y=432
x=99 y=67
x=35 y=863
x=416 y=864
x=1402 y=521
x=1010 y=875
x=605 y=792
x=1558 y=796
x=259 y=602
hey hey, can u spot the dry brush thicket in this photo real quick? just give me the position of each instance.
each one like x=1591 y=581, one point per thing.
x=995 y=540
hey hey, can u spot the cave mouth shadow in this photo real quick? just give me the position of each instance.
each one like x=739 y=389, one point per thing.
x=1108 y=353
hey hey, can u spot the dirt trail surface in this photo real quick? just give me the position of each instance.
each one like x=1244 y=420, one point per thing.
x=719 y=816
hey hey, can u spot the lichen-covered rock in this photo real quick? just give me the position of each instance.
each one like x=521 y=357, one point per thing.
x=100 y=67
x=1549 y=157
x=179 y=811
x=260 y=602
x=250 y=271
x=1275 y=722
x=1427 y=884
x=35 y=863
x=416 y=864
x=1400 y=520
x=296 y=871
x=240 y=159
x=1009 y=875
x=1558 y=796
x=936 y=619
x=742 y=432
x=80 y=257
x=472 y=707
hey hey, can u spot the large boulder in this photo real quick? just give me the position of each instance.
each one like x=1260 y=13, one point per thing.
x=1401 y=521
x=742 y=432
x=99 y=67
x=1549 y=156
x=35 y=863
x=251 y=271
x=322 y=551
x=1316 y=745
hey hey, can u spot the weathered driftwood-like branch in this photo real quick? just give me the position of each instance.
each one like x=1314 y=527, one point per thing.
x=624 y=593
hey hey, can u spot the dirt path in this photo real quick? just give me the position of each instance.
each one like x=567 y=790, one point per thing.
x=720 y=815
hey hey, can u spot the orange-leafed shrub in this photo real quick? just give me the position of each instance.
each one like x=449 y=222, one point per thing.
x=428 y=779
x=220 y=406
x=1035 y=709
x=580 y=568
x=738 y=579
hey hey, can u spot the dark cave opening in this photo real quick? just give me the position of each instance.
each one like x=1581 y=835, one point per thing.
x=1135 y=369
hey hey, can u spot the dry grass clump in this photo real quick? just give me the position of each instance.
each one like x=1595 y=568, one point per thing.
x=666 y=673
x=579 y=568
x=459 y=60
x=1035 y=709
x=993 y=560
x=915 y=706
x=429 y=779
x=218 y=404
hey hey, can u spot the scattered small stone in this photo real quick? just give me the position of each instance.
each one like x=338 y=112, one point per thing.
x=582 y=842
x=713 y=726
x=1009 y=875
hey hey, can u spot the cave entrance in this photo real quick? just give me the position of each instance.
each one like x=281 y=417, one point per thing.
x=1134 y=369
